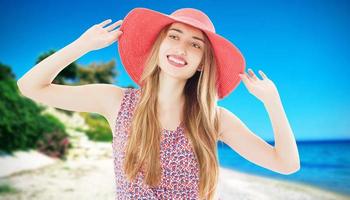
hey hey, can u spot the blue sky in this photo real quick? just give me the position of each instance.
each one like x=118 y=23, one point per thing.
x=303 y=46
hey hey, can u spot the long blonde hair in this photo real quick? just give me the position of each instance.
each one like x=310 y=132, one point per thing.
x=200 y=122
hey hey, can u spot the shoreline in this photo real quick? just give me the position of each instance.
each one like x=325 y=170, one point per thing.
x=248 y=186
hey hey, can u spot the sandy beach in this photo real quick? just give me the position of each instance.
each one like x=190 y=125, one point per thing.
x=91 y=177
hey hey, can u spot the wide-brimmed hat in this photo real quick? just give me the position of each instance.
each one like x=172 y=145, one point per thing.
x=141 y=27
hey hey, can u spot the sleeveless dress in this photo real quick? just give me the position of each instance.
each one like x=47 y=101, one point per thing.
x=180 y=167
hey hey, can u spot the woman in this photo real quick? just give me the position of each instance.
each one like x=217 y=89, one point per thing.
x=165 y=133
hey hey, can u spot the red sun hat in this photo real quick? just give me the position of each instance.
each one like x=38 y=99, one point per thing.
x=141 y=27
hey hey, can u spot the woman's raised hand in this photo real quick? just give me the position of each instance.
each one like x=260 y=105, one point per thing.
x=98 y=36
x=263 y=89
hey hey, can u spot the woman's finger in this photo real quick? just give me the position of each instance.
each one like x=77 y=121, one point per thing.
x=102 y=24
x=249 y=78
x=252 y=75
x=262 y=74
x=116 y=33
x=115 y=24
x=245 y=80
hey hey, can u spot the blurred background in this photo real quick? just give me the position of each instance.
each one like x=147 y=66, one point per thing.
x=302 y=46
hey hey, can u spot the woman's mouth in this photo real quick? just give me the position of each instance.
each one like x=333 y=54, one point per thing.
x=176 y=62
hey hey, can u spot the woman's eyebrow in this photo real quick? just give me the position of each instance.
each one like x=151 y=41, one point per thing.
x=180 y=31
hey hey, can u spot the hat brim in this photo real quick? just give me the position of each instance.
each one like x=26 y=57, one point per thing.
x=140 y=29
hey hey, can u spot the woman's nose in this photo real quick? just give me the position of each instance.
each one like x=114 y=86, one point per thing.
x=181 y=49
x=180 y=52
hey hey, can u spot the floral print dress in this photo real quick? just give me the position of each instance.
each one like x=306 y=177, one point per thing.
x=180 y=168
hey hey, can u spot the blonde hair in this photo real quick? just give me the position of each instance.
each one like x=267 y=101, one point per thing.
x=201 y=122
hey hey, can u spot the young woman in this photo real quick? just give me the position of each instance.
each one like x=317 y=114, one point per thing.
x=165 y=134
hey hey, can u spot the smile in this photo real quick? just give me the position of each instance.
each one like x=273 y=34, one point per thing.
x=176 y=62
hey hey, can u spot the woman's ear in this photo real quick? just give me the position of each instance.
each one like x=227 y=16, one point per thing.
x=199 y=68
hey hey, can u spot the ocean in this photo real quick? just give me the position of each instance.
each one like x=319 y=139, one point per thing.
x=324 y=164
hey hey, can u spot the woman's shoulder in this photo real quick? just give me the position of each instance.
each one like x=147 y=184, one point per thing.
x=118 y=96
x=123 y=99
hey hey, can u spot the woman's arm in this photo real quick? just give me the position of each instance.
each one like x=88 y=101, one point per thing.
x=94 y=38
x=282 y=158
x=266 y=91
x=43 y=73
x=285 y=144
x=98 y=98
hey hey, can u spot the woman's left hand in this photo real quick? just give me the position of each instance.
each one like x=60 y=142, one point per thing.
x=265 y=90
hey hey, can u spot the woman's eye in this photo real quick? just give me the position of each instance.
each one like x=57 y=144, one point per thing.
x=172 y=36
x=197 y=46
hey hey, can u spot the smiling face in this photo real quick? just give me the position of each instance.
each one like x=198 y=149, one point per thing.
x=184 y=44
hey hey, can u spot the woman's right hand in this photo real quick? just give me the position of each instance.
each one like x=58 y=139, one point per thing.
x=98 y=36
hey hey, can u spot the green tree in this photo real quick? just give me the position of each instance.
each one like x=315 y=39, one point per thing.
x=97 y=73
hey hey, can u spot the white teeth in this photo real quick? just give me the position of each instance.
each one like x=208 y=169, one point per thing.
x=175 y=60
